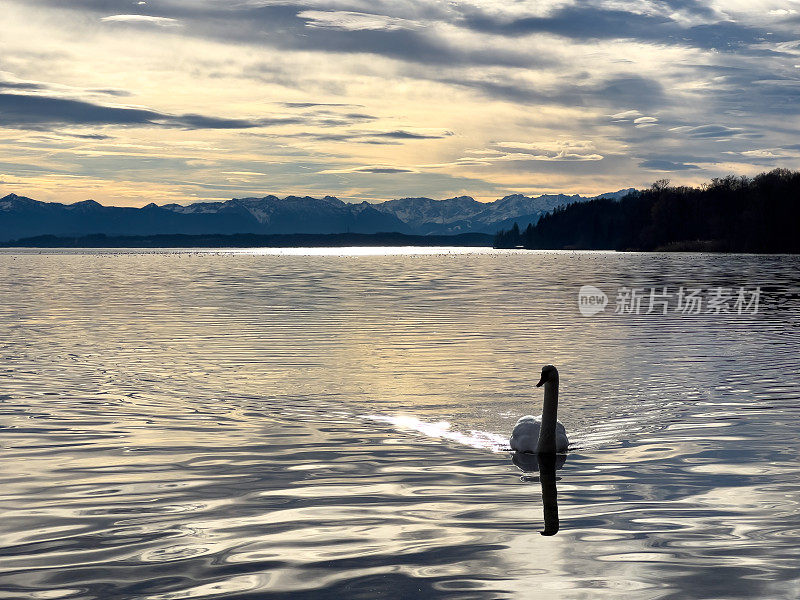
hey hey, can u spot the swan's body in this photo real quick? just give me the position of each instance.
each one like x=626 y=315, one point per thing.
x=544 y=434
x=525 y=436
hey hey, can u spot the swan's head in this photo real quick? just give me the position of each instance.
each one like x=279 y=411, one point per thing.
x=549 y=373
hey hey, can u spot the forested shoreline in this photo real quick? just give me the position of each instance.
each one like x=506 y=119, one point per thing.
x=733 y=214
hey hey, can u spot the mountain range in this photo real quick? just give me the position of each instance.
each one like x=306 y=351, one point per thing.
x=22 y=217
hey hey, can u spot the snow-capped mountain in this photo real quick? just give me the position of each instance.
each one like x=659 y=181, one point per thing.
x=24 y=217
x=465 y=214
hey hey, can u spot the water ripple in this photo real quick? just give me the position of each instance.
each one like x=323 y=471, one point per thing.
x=280 y=424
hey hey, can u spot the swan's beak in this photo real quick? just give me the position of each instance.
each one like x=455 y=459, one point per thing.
x=541 y=382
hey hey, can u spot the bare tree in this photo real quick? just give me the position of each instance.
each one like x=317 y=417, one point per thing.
x=660 y=185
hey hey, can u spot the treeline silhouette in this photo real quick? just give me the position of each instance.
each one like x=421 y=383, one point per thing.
x=730 y=214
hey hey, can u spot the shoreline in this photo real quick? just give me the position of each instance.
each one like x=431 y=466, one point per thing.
x=247 y=240
x=327 y=240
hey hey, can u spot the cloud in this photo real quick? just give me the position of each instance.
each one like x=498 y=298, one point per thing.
x=636 y=79
x=37 y=112
x=351 y=138
x=383 y=170
x=571 y=151
x=666 y=165
x=626 y=115
x=637 y=90
x=355 y=21
x=191 y=121
x=710 y=131
x=8 y=81
x=89 y=136
x=298 y=25
x=26 y=86
x=587 y=22
x=142 y=20
x=375 y=170
x=583 y=22
x=763 y=156
x=410 y=135
x=329 y=118
x=393 y=137
x=359 y=116
x=316 y=104
x=561 y=155
x=111 y=92
x=760 y=153
x=413 y=31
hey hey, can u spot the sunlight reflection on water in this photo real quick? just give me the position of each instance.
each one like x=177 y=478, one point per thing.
x=324 y=423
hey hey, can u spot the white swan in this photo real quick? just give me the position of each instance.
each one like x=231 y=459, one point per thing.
x=544 y=434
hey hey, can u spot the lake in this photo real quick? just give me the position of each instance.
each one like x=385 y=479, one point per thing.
x=331 y=423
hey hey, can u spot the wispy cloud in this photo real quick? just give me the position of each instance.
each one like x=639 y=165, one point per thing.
x=396 y=136
x=399 y=134
x=642 y=122
x=561 y=151
x=666 y=165
x=710 y=131
x=355 y=21
x=142 y=20
x=375 y=170
x=28 y=111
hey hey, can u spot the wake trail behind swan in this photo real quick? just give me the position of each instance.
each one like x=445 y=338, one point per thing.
x=580 y=439
x=482 y=440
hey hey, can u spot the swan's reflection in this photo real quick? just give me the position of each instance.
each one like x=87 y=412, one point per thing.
x=546 y=465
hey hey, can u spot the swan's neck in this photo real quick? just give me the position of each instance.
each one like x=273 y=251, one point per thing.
x=547 y=432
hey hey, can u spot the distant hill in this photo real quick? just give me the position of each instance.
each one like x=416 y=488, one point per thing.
x=22 y=217
x=733 y=214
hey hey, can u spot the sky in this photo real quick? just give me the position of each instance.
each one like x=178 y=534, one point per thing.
x=129 y=102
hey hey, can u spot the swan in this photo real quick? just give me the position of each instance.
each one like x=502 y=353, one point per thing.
x=544 y=434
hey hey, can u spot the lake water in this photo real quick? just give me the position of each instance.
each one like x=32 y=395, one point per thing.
x=330 y=424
